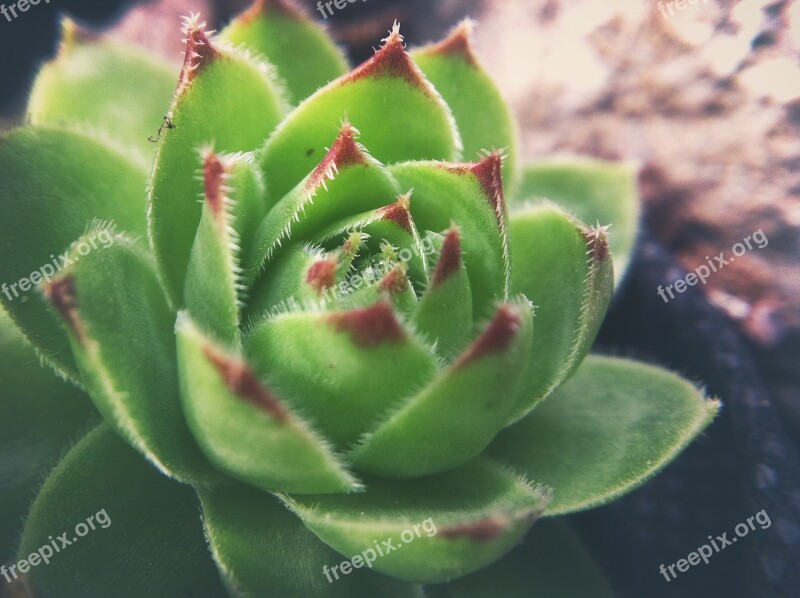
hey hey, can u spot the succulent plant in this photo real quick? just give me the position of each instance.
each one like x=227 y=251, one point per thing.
x=312 y=326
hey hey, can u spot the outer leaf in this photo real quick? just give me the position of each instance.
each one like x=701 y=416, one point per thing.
x=55 y=183
x=344 y=368
x=245 y=429
x=119 y=89
x=276 y=29
x=470 y=196
x=465 y=519
x=606 y=431
x=233 y=207
x=144 y=538
x=456 y=416
x=401 y=115
x=223 y=96
x=551 y=562
x=565 y=269
x=596 y=192
x=40 y=416
x=120 y=331
x=262 y=549
x=483 y=117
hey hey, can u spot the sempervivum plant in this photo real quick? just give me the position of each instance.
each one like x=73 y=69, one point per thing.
x=313 y=327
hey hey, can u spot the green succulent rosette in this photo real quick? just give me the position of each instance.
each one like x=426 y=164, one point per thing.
x=313 y=324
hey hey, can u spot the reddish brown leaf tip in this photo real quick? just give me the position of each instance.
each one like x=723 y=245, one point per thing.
x=449 y=258
x=490 y=175
x=395 y=282
x=458 y=43
x=214 y=182
x=242 y=381
x=392 y=61
x=597 y=241
x=322 y=274
x=371 y=326
x=199 y=50
x=399 y=212
x=344 y=152
x=497 y=337
x=484 y=530
x=284 y=7
x=73 y=35
x=62 y=294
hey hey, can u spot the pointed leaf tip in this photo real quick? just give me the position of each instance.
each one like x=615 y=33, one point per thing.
x=449 y=258
x=322 y=274
x=344 y=152
x=497 y=337
x=214 y=181
x=242 y=381
x=484 y=530
x=399 y=212
x=391 y=60
x=63 y=296
x=286 y=7
x=199 y=50
x=458 y=43
x=489 y=173
x=396 y=281
x=371 y=326
x=597 y=240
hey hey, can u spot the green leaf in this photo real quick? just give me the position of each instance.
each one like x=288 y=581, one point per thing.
x=392 y=224
x=483 y=117
x=118 y=89
x=551 y=561
x=595 y=191
x=471 y=197
x=612 y=426
x=455 y=417
x=245 y=429
x=55 y=184
x=343 y=368
x=440 y=527
x=444 y=314
x=262 y=549
x=401 y=115
x=215 y=290
x=566 y=271
x=348 y=181
x=306 y=58
x=226 y=97
x=131 y=532
x=121 y=332
x=40 y=416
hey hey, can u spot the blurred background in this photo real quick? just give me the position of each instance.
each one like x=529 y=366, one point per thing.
x=705 y=99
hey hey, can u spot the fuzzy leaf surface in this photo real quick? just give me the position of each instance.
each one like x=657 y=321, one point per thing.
x=56 y=183
x=152 y=543
x=121 y=333
x=607 y=430
x=594 y=191
x=276 y=30
x=247 y=430
x=263 y=549
x=474 y=514
x=565 y=269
